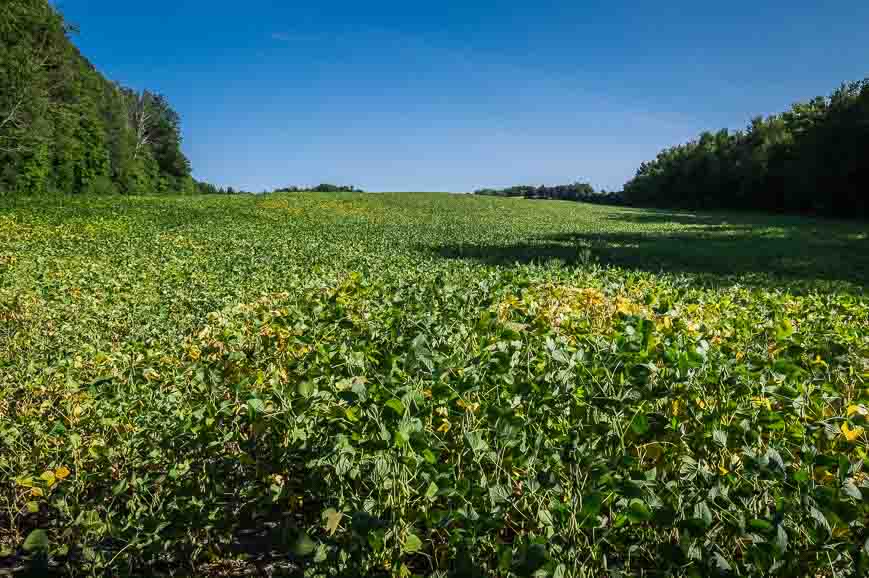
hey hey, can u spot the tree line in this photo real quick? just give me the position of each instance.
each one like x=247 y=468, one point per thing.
x=66 y=128
x=812 y=159
x=321 y=188
x=582 y=192
x=204 y=188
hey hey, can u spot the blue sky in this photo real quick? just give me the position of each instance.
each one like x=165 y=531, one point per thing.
x=456 y=95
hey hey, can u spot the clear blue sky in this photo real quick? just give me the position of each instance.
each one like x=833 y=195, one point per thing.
x=459 y=94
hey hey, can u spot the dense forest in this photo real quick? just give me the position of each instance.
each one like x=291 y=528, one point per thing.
x=66 y=128
x=583 y=192
x=813 y=159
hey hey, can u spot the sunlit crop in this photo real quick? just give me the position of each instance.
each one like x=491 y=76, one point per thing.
x=351 y=384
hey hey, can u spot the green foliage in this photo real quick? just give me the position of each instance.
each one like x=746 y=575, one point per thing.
x=582 y=192
x=321 y=188
x=65 y=128
x=811 y=159
x=351 y=386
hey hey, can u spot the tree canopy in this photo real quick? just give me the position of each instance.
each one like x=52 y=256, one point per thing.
x=812 y=159
x=64 y=127
x=583 y=192
x=321 y=188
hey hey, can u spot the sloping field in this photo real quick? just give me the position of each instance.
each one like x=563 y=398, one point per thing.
x=397 y=384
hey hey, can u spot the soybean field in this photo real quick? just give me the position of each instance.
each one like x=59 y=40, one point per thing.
x=348 y=384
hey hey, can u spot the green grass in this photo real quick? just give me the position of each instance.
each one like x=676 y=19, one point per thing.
x=387 y=384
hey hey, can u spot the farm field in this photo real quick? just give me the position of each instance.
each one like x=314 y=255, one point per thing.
x=430 y=384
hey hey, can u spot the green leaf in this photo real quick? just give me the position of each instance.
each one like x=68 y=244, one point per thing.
x=376 y=541
x=395 y=405
x=256 y=405
x=37 y=541
x=476 y=442
x=703 y=512
x=760 y=525
x=498 y=493
x=401 y=437
x=640 y=424
x=431 y=491
x=545 y=517
x=412 y=543
x=639 y=511
x=305 y=389
x=820 y=518
x=591 y=505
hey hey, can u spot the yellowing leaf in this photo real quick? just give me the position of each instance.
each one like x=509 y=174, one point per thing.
x=851 y=434
x=48 y=477
x=36 y=492
x=333 y=519
x=762 y=402
x=62 y=473
x=858 y=409
x=723 y=471
x=469 y=407
x=624 y=306
x=445 y=427
x=822 y=475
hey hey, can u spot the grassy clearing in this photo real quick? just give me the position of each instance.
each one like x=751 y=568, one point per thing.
x=396 y=384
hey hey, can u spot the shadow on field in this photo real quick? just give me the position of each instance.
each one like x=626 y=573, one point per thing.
x=761 y=250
